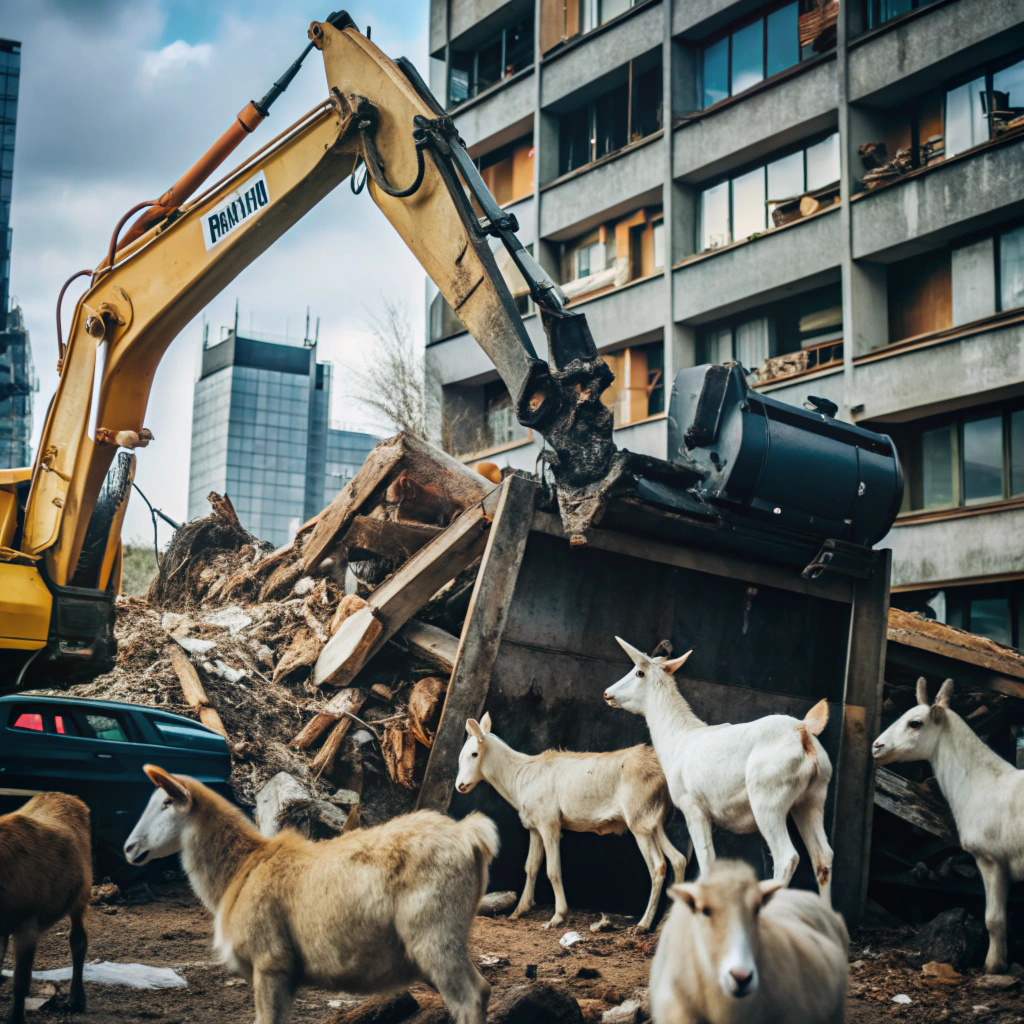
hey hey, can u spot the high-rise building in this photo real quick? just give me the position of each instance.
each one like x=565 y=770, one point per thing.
x=18 y=383
x=261 y=432
x=830 y=193
x=18 y=380
x=10 y=72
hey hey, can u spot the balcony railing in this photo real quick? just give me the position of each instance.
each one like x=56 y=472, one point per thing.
x=794 y=364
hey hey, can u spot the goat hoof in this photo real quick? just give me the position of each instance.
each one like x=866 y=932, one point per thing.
x=640 y=929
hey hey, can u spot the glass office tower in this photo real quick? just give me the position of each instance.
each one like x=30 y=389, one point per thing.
x=261 y=433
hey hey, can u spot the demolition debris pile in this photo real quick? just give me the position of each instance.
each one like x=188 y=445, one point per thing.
x=308 y=659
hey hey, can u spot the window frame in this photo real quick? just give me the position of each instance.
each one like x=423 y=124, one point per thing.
x=915 y=5
x=987 y=70
x=1005 y=411
x=745 y=169
x=738 y=25
x=474 y=73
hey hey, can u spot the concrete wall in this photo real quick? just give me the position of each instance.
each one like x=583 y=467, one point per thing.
x=698 y=18
x=829 y=384
x=634 y=312
x=461 y=359
x=788 y=260
x=604 y=192
x=766 y=121
x=466 y=14
x=949 y=375
x=921 y=213
x=502 y=115
x=647 y=438
x=952 y=549
x=924 y=51
x=581 y=67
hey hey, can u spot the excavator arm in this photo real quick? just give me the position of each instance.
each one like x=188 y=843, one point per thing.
x=182 y=251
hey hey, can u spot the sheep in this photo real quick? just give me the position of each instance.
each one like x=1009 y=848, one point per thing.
x=558 y=789
x=735 y=949
x=984 y=792
x=371 y=911
x=741 y=777
x=45 y=875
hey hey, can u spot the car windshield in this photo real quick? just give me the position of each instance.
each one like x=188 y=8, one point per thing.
x=105 y=727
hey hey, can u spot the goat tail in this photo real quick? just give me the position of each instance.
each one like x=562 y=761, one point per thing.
x=482 y=835
x=808 y=744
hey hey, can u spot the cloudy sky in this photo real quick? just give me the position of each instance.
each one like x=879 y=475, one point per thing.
x=118 y=98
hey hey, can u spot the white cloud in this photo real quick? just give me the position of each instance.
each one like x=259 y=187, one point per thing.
x=174 y=57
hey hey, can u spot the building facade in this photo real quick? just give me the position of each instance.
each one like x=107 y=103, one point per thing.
x=261 y=433
x=831 y=194
x=10 y=74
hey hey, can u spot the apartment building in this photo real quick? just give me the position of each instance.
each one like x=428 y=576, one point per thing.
x=261 y=432
x=831 y=194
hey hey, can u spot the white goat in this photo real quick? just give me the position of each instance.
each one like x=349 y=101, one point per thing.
x=602 y=793
x=371 y=911
x=741 y=777
x=984 y=792
x=734 y=949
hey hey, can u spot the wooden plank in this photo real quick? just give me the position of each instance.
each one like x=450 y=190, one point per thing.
x=930 y=663
x=914 y=803
x=389 y=536
x=481 y=635
x=432 y=644
x=336 y=517
x=828 y=585
x=400 y=596
x=922 y=642
x=192 y=688
x=854 y=781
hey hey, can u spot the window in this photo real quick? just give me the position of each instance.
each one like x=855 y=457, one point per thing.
x=104 y=727
x=782 y=338
x=29 y=721
x=972 y=458
x=508 y=171
x=181 y=734
x=32 y=720
x=988 y=609
x=990 y=103
x=500 y=56
x=614 y=254
x=638 y=391
x=1011 y=269
x=479 y=418
x=560 y=20
x=880 y=11
x=966 y=124
x=736 y=209
x=630 y=111
x=920 y=295
x=750 y=51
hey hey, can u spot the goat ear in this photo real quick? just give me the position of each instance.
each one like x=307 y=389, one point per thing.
x=685 y=894
x=485 y=722
x=474 y=730
x=671 y=666
x=922 y=691
x=769 y=887
x=945 y=694
x=173 y=787
x=638 y=657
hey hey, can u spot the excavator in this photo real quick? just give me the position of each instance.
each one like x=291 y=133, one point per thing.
x=380 y=126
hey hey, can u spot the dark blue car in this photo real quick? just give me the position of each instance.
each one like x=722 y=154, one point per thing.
x=95 y=749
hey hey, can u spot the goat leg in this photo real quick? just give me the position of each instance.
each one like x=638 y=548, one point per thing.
x=656 y=866
x=997 y=891
x=3 y=954
x=79 y=942
x=552 y=854
x=533 y=859
x=272 y=992
x=24 y=956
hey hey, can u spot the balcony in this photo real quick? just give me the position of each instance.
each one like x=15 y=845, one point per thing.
x=970 y=543
x=466 y=15
x=920 y=49
x=938 y=373
x=601 y=191
x=924 y=209
x=706 y=16
x=631 y=312
x=761 y=269
x=502 y=113
x=767 y=120
x=583 y=64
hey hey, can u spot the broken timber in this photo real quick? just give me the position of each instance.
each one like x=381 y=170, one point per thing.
x=478 y=648
x=399 y=597
x=193 y=690
x=432 y=644
x=913 y=803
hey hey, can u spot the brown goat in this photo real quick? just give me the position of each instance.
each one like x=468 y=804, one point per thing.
x=45 y=875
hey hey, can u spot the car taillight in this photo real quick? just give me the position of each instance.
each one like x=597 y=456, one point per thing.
x=26 y=721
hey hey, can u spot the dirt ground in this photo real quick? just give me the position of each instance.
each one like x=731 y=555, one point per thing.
x=163 y=924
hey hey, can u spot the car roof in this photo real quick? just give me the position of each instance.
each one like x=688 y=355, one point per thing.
x=102 y=705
